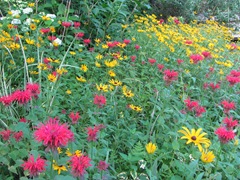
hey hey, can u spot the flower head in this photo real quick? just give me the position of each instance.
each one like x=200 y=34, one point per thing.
x=170 y=76
x=102 y=166
x=207 y=156
x=79 y=165
x=59 y=168
x=224 y=135
x=195 y=137
x=18 y=136
x=5 y=134
x=229 y=122
x=92 y=132
x=74 y=117
x=151 y=148
x=99 y=100
x=228 y=106
x=34 y=89
x=53 y=134
x=34 y=167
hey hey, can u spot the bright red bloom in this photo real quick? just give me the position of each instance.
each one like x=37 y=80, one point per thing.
x=6 y=134
x=99 y=100
x=233 y=80
x=45 y=30
x=196 y=58
x=229 y=122
x=160 y=67
x=233 y=45
x=34 y=89
x=170 y=76
x=214 y=86
x=228 y=106
x=52 y=38
x=18 y=136
x=224 y=135
x=76 y=24
x=126 y=41
x=176 y=21
x=23 y=120
x=151 y=61
x=86 y=41
x=53 y=134
x=161 y=21
x=133 y=58
x=7 y=100
x=188 y=42
x=34 y=167
x=191 y=105
x=102 y=166
x=179 y=61
x=235 y=73
x=79 y=35
x=74 y=117
x=205 y=85
x=66 y=24
x=199 y=110
x=92 y=132
x=137 y=47
x=79 y=165
x=112 y=44
x=22 y=97
x=206 y=54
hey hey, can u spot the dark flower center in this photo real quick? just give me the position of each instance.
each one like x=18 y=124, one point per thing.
x=193 y=138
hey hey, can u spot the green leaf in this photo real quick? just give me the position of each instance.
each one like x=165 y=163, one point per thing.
x=61 y=177
x=175 y=145
x=199 y=177
x=61 y=9
x=13 y=169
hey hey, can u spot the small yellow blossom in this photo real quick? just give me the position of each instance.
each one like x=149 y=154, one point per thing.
x=124 y=26
x=97 y=40
x=10 y=26
x=81 y=79
x=135 y=108
x=72 y=53
x=31 y=4
x=30 y=60
x=84 y=68
x=58 y=168
x=45 y=18
x=104 y=46
x=151 y=148
x=115 y=82
x=52 y=29
x=42 y=66
x=102 y=87
x=108 y=37
x=111 y=64
x=52 y=78
x=69 y=91
x=33 y=27
x=111 y=73
x=97 y=64
x=207 y=156
x=30 y=41
x=59 y=150
x=99 y=56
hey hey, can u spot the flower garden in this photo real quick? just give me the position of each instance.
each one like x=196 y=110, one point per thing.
x=158 y=101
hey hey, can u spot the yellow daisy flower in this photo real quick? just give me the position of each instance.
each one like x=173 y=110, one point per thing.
x=207 y=156
x=151 y=148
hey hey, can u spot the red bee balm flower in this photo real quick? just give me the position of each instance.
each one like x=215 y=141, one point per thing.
x=224 y=135
x=126 y=41
x=34 y=167
x=45 y=30
x=74 y=117
x=170 y=76
x=18 y=136
x=34 y=89
x=92 y=132
x=6 y=134
x=79 y=165
x=228 y=106
x=79 y=35
x=195 y=58
x=230 y=123
x=76 y=24
x=99 y=100
x=53 y=134
x=22 y=97
x=66 y=24
x=102 y=166
x=151 y=61
x=86 y=41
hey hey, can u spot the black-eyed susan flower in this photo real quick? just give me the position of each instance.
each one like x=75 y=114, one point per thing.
x=102 y=87
x=30 y=60
x=207 y=156
x=33 y=27
x=81 y=79
x=111 y=73
x=151 y=148
x=58 y=168
x=195 y=137
x=135 y=108
x=115 y=82
x=84 y=68
x=52 y=77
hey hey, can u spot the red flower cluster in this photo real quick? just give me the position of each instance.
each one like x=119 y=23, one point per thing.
x=74 y=117
x=102 y=166
x=52 y=38
x=112 y=44
x=79 y=165
x=92 y=132
x=86 y=41
x=161 y=21
x=21 y=96
x=151 y=61
x=211 y=85
x=34 y=167
x=126 y=41
x=99 y=100
x=234 y=77
x=76 y=25
x=170 y=76
x=224 y=135
x=160 y=67
x=137 y=47
x=206 y=54
x=194 y=106
x=79 y=35
x=133 y=58
x=53 y=134
x=188 y=42
x=230 y=123
x=66 y=24
x=180 y=61
x=45 y=30
x=228 y=106
x=196 y=58
x=5 y=134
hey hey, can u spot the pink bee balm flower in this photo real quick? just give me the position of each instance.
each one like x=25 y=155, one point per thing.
x=170 y=76
x=228 y=106
x=137 y=47
x=79 y=35
x=99 y=100
x=6 y=134
x=191 y=105
x=133 y=58
x=179 y=61
x=196 y=58
x=86 y=41
x=92 y=132
x=161 y=21
x=76 y=24
x=34 y=167
x=18 y=136
x=160 y=67
x=45 y=30
x=79 y=165
x=126 y=41
x=22 y=97
x=224 y=135
x=74 y=117
x=206 y=54
x=66 y=24
x=229 y=122
x=34 y=89
x=52 y=38
x=102 y=166
x=151 y=61
x=7 y=100
x=53 y=134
